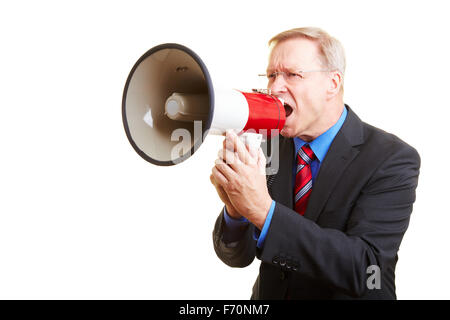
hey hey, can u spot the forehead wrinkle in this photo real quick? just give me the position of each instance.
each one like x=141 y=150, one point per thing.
x=286 y=58
x=294 y=66
x=282 y=63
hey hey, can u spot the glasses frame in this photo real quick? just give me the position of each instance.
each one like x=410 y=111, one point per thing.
x=298 y=73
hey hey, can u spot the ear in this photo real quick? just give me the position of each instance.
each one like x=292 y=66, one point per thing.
x=335 y=84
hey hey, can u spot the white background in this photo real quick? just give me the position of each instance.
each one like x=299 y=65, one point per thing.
x=82 y=216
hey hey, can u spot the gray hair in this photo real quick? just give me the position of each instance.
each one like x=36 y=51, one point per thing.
x=331 y=50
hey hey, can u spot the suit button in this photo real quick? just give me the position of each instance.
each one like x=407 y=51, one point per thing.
x=295 y=265
x=275 y=260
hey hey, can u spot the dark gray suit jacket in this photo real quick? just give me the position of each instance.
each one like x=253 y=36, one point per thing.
x=357 y=214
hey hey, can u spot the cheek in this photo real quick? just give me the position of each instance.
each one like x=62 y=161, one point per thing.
x=320 y=89
x=313 y=95
x=304 y=97
x=300 y=96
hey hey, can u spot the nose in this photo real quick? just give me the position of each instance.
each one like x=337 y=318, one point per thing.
x=278 y=85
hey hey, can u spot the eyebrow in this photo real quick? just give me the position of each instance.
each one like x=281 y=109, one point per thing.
x=290 y=69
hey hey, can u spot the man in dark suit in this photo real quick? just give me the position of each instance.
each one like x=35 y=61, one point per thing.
x=329 y=223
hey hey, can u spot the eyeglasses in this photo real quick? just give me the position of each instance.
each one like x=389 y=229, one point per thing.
x=290 y=77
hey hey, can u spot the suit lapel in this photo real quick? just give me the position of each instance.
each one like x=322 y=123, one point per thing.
x=340 y=154
x=283 y=177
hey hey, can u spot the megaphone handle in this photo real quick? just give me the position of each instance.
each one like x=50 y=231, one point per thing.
x=252 y=140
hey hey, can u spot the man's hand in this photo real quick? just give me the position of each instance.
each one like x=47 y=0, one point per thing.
x=232 y=212
x=239 y=172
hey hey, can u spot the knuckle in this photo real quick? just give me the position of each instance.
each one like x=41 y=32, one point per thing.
x=231 y=187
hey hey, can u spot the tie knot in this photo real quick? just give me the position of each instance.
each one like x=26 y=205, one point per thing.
x=306 y=154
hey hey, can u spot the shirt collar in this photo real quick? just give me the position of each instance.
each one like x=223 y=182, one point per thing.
x=322 y=143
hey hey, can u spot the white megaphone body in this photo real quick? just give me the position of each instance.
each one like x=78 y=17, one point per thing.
x=169 y=95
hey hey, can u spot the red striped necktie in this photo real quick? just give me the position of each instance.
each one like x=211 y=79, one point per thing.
x=303 y=178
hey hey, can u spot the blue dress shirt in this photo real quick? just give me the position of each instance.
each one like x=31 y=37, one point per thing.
x=320 y=147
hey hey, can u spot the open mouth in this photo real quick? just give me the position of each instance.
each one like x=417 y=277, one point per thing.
x=288 y=109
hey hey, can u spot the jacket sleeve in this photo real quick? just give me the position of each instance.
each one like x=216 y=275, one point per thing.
x=237 y=254
x=374 y=230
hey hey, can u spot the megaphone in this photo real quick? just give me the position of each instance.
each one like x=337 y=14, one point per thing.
x=169 y=94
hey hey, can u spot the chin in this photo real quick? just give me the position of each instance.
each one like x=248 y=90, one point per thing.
x=288 y=130
x=287 y=133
